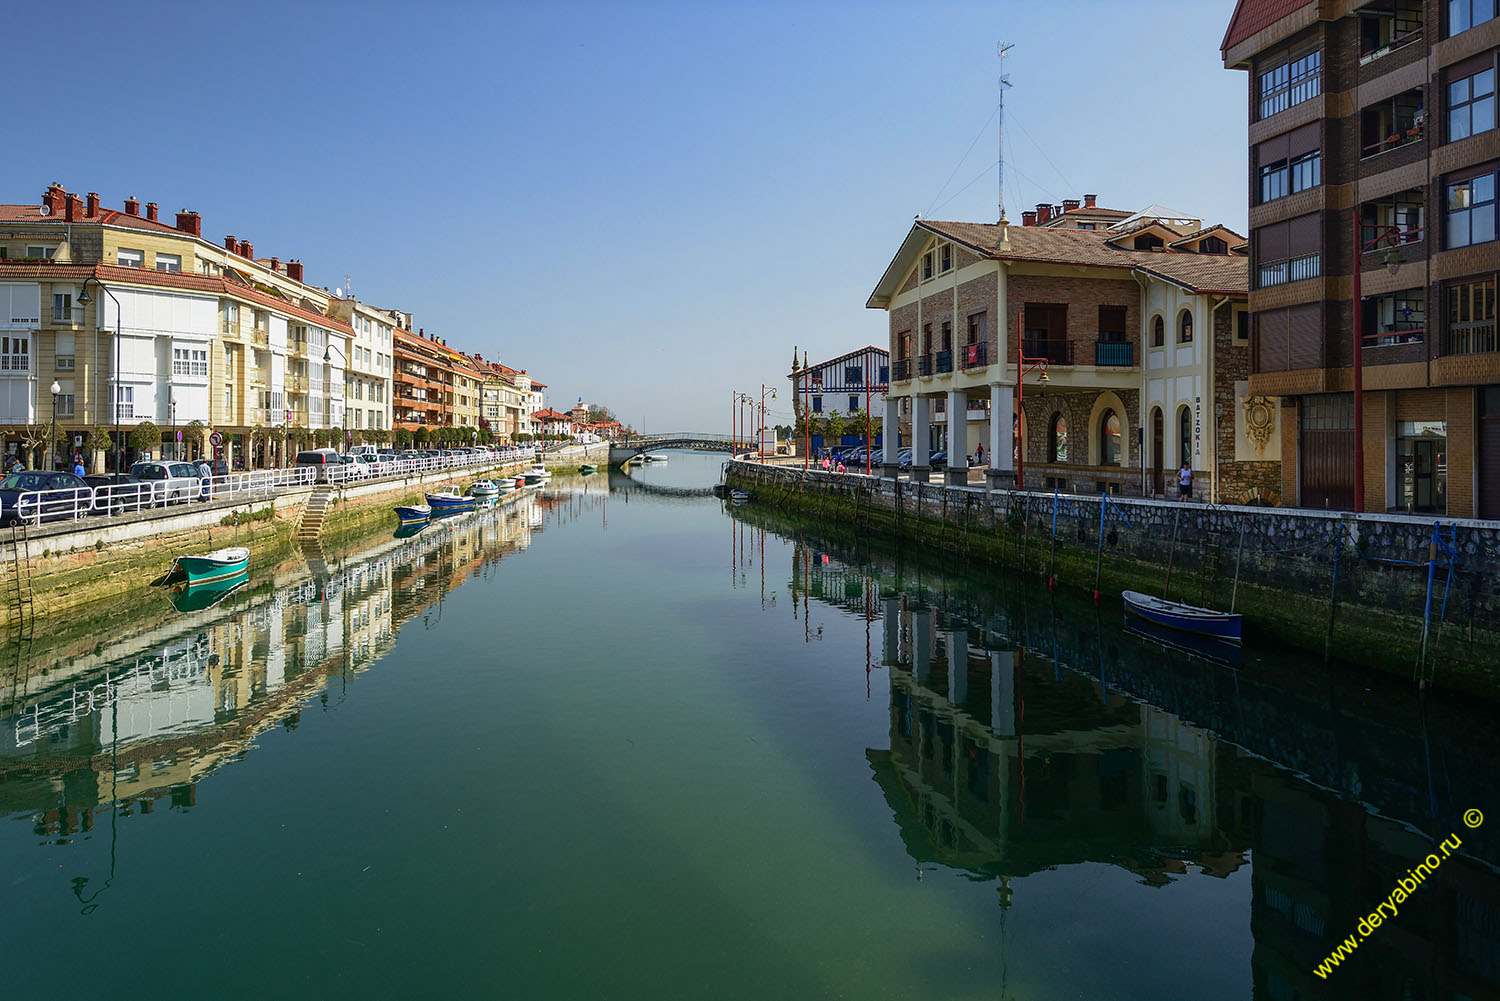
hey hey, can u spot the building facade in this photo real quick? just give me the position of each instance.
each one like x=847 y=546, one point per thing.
x=1373 y=163
x=849 y=384
x=368 y=378
x=1112 y=343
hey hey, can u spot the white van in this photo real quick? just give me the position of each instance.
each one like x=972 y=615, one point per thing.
x=364 y=450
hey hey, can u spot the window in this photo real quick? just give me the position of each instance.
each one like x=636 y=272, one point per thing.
x=169 y=262
x=1398 y=218
x=1273 y=181
x=1288 y=163
x=1112 y=324
x=927 y=338
x=1147 y=241
x=947 y=335
x=1242 y=326
x=1471 y=318
x=1057 y=439
x=1185 y=437
x=1109 y=439
x=62 y=308
x=927 y=265
x=231 y=318
x=34 y=253
x=229 y=402
x=854 y=375
x=63 y=404
x=817 y=404
x=1213 y=245
x=1288 y=251
x=1471 y=104
x=1465 y=14
x=190 y=362
x=977 y=324
x=64 y=352
x=1290 y=83
x=1306 y=172
x=853 y=404
x=15 y=354
x=1158 y=332
x=127 y=258
x=124 y=403
x=946 y=259
x=1471 y=210
x=1184 y=327
x=1087 y=225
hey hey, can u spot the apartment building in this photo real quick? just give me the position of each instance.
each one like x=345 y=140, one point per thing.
x=844 y=383
x=368 y=378
x=190 y=335
x=1373 y=166
x=421 y=381
x=1113 y=344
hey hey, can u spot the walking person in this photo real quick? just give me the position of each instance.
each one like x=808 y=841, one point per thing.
x=978 y=455
x=1185 y=481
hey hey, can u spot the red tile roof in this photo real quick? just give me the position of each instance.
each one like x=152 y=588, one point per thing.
x=109 y=217
x=1251 y=16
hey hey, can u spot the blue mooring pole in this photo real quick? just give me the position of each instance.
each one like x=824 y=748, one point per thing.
x=1052 y=559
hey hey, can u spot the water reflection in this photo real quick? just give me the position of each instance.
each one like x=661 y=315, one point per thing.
x=140 y=723
x=1027 y=735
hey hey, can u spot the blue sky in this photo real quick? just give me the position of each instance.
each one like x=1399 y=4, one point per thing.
x=643 y=204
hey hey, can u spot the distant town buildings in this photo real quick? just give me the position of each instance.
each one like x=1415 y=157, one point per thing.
x=140 y=322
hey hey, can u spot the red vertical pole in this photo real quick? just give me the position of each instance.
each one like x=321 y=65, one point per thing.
x=1020 y=435
x=869 y=419
x=1359 y=385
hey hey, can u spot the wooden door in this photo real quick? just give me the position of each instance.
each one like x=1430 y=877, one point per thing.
x=1158 y=431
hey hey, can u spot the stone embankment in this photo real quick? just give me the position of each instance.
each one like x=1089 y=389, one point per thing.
x=92 y=567
x=1354 y=587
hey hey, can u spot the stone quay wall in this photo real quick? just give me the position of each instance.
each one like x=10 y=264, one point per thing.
x=1354 y=586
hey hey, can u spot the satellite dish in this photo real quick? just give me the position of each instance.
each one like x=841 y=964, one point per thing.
x=338 y=293
x=46 y=210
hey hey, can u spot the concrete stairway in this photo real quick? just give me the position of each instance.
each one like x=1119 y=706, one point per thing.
x=312 y=515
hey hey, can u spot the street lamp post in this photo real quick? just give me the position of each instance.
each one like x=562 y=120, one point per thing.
x=759 y=443
x=1393 y=262
x=1036 y=361
x=328 y=358
x=83 y=300
x=52 y=429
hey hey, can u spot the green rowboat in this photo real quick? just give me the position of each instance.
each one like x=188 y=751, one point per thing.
x=221 y=565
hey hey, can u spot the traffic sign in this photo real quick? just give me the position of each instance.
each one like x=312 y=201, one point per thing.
x=216 y=439
x=179 y=435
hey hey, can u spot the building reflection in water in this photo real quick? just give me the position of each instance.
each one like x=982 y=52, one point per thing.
x=137 y=725
x=1023 y=740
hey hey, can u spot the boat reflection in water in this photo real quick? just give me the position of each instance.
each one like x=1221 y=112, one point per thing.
x=143 y=720
x=1028 y=737
x=196 y=597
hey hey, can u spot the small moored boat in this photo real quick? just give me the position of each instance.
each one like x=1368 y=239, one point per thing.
x=414 y=514
x=1186 y=618
x=484 y=488
x=587 y=468
x=449 y=500
x=655 y=458
x=739 y=495
x=219 y=565
x=197 y=597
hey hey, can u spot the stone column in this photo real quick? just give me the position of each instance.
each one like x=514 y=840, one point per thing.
x=921 y=438
x=890 y=430
x=958 y=667
x=958 y=437
x=1002 y=467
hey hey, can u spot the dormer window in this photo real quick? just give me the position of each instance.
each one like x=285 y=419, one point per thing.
x=946 y=257
x=1147 y=241
x=1213 y=245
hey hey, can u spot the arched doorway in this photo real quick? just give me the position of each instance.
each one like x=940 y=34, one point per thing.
x=1158 y=445
x=1185 y=437
x=1110 y=450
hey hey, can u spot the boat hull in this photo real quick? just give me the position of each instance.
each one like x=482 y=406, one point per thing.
x=211 y=568
x=413 y=515
x=1184 y=618
x=447 y=504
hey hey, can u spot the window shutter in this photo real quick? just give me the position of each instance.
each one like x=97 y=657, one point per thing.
x=1271 y=243
x=1270 y=341
x=1304 y=140
x=65 y=344
x=1304 y=235
x=1304 y=336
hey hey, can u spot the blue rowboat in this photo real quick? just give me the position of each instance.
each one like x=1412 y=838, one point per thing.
x=1186 y=618
x=451 y=499
x=413 y=515
x=220 y=565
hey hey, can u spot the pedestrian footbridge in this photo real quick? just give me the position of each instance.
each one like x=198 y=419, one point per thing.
x=622 y=452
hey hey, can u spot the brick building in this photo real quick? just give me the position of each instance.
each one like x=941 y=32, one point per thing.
x=1137 y=321
x=1372 y=136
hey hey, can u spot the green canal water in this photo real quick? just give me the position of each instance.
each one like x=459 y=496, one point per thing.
x=621 y=740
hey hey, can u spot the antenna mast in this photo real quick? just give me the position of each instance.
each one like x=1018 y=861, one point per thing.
x=1001 y=49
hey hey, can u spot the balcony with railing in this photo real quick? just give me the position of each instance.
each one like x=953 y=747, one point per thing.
x=1473 y=338
x=1056 y=350
x=901 y=370
x=974 y=355
x=229 y=327
x=260 y=336
x=66 y=314
x=1114 y=354
x=944 y=360
x=1391 y=124
x=296 y=383
x=924 y=365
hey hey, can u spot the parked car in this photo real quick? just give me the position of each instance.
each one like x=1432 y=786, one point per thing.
x=903 y=459
x=64 y=504
x=319 y=459
x=118 y=493
x=167 y=480
x=938 y=460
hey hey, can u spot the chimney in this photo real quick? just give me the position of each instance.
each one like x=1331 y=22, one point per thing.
x=294 y=270
x=1043 y=213
x=151 y=211
x=1057 y=211
x=93 y=204
x=1088 y=201
x=55 y=198
x=73 y=210
x=190 y=223
x=1028 y=218
x=229 y=244
x=276 y=264
x=248 y=249
x=132 y=207
x=1070 y=205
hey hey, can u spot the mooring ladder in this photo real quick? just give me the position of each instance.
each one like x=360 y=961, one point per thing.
x=22 y=600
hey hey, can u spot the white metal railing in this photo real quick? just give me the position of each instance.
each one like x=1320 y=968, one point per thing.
x=118 y=499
